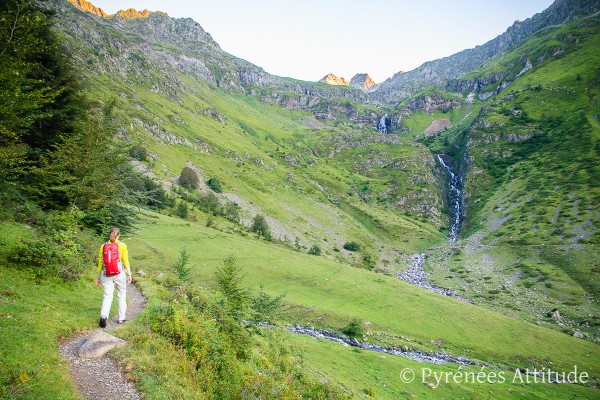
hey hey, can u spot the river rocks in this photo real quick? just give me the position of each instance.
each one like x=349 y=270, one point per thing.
x=416 y=275
x=420 y=356
x=98 y=344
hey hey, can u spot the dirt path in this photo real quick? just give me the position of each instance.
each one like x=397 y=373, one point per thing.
x=100 y=378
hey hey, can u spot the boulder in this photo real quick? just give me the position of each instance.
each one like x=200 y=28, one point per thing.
x=97 y=344
x=578 y=335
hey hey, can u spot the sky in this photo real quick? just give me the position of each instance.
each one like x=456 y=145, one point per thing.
x=307 y=39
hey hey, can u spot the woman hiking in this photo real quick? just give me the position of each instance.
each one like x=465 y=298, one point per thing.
x=113 y=269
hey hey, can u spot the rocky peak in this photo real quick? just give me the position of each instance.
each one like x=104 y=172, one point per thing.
x=86 y=6
x=133 y=14
x=362 y=82
x=332 y=79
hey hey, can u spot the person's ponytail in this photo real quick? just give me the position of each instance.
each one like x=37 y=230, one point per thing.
x=114 y=234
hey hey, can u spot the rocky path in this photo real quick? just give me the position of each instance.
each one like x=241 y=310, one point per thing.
x=101 y=378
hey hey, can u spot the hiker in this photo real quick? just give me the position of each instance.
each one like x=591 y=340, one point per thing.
x=113 y=268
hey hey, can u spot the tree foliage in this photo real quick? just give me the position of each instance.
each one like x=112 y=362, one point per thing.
x=260 y=226
x=188 y=178
x=39 y=101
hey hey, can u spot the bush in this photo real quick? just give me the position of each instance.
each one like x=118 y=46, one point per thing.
x=355 y=329
x=138 y=152
x=57 y=250
x=209 y=203
x=182 y=210
x=189 y=179
x=215 y=184
x=315 y=250
x=369 y=261
x=351 y=246
x=260 y=226
x=232 y=212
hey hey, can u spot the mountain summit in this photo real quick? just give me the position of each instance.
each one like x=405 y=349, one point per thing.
x=362 y=82
x=332 y=79
x=130 y=13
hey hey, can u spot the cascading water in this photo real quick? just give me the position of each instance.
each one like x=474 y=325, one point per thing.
x=454 y=198
x=382 y=125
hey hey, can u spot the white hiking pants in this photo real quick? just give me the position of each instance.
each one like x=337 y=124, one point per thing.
x=108 y=283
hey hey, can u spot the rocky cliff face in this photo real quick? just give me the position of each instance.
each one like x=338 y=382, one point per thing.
x=332 y=79
x=362 y=82
x=86 y=6
x=403 y=85
x=133 y=14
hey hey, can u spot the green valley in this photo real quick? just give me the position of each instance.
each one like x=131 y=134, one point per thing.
x=294 y=210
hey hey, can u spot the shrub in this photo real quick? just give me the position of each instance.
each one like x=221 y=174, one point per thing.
x=182 y=210
x=368 y=261
x=232 y=212
x=354 y=329
x=351 y=246
x=57 y=250
x=215 y=184
x=260 y=226
x=209 y=203
x=315 y=250
x=188 y=178
x=138 y=152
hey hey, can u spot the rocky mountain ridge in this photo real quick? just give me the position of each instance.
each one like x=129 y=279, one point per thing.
x=404 y=84
x=359 y=81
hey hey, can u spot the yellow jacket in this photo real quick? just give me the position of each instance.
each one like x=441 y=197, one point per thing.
x=123 y=254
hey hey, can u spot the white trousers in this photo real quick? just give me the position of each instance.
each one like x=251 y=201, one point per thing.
x=108 y=283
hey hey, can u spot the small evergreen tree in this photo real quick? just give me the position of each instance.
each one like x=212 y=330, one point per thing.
x=236 y=297
x=180 y=266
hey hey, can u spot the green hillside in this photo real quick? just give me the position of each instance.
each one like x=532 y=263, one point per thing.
x=295 y=211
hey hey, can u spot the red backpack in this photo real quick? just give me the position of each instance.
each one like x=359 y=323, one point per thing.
x=111 y=258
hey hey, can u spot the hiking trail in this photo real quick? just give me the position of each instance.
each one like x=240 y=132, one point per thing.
x=101 y=378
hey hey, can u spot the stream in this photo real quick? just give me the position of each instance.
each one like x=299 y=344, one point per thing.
x=416 y=275
x=420 y=356
x=454 y=199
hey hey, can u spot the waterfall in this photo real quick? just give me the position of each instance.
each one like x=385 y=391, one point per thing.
x=454 y=198
x=382 y=125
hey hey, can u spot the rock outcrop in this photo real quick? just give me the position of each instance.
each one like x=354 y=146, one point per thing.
x=362 y=82
x=86 y=6
x=132 y=13
x=332 y=79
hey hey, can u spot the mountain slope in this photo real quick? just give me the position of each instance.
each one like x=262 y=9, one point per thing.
x=323 y=182
x=404 y=84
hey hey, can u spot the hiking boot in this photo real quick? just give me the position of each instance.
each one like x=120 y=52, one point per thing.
x=102 y=322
